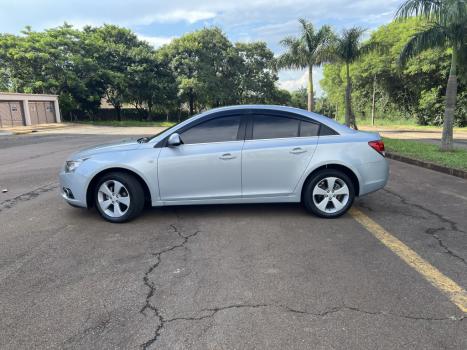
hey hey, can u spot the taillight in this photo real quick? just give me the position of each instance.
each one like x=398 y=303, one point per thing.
x=378 y=146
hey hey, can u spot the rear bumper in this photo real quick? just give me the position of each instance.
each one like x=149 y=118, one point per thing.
x=374 y=176
x=72 y=189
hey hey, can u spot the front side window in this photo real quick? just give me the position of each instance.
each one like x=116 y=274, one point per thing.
x=221 y=129
x=273 y=127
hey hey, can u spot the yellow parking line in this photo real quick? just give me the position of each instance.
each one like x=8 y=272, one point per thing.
x=446 y=285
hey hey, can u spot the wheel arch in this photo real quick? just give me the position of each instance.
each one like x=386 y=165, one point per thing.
x=95 y=179
x=346 y=170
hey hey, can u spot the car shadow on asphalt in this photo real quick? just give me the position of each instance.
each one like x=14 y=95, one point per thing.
x=203 y=211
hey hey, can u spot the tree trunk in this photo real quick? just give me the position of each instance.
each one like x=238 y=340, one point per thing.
x=348 y=97
x=349 y=116
x=373 y=102
x=192 y=104
x=450 y=105
x=118 y=108
x=149 y=116
x=311 y=102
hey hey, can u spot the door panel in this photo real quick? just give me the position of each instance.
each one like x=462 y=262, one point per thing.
x=276 y=154
x=274 y=167
x=11 y=113
x=33 y=113
x=5 y=115
x=202 y=171
x=41 y=114
x=49 y=112
x=207 y=165
x=17 y=118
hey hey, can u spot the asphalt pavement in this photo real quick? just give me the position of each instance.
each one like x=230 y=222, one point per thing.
x=224 y=276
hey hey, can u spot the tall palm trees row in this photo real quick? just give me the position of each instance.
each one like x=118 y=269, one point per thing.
x=316 y=47
x=446 y=27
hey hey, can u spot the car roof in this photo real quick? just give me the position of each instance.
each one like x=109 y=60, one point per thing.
x=341 y=129
x=315 y=116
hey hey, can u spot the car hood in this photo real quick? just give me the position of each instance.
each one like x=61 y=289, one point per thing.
x=124 y=145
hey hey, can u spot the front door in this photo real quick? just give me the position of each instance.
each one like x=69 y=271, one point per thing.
x=276 y=154
x=207 y=166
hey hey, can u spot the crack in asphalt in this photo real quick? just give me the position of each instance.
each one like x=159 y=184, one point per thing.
x=211 y=312
x=152 y=286
x=208 y=313
x=98 y=328
x=10 y=203
x=433 y=231
x=344 y=308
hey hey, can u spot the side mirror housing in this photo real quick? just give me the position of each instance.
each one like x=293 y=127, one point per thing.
x=174 y=140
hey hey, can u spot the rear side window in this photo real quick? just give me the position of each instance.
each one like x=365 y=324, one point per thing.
x=272 y=127
x=326 y=130
x=308 y=129
x=221 y=129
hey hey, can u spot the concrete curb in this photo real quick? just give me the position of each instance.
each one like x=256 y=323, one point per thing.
x=427 y=165
x=20 y=130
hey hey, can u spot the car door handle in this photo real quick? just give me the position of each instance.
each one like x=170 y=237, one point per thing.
x=227 y=156
x=298 y=150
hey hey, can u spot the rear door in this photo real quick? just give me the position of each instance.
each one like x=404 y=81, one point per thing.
x=276 y=153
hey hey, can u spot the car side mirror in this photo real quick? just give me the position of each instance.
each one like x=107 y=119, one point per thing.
x=174 y=140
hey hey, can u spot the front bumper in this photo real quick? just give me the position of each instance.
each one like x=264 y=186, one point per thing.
x=73 y=188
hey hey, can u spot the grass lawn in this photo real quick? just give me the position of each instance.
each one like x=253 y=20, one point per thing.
x=402 y=124
x=127 y=123
x=398 y=124
x=427 y=152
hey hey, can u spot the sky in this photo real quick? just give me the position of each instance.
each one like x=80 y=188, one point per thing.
x=158 y=21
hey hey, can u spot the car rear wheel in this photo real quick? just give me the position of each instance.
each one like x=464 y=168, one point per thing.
x=329 y=194
x=119 y=197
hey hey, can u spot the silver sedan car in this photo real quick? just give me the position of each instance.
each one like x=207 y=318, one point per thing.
x=239 y=154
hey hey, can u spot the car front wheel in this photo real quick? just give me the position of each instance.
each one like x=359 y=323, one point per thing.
x=119 y=197
x=329 y=194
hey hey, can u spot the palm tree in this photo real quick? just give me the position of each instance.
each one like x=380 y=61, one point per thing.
x=348 y=49
x=310 y=49
x=446 y=27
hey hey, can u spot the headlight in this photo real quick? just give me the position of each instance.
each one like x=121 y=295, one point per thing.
x=72 y=165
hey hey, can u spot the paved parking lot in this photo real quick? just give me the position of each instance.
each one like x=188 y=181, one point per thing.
x=225 y=277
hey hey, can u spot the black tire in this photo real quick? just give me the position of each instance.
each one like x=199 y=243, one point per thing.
x=135 y=192
x=307 y=196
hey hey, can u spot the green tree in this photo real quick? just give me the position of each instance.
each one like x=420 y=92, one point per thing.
x=201 y=62
x=334 y=86
x=113 y=47
x=299 y=98
x=348 y=49
x=401 y=92
x=151 y=83
x=57 y=61
x=256 y=73
x=310 y=49
x=446 y=27
x=212 y=72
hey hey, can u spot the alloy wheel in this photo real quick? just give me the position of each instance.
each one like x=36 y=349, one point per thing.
x=331 y=195
x=113 y=198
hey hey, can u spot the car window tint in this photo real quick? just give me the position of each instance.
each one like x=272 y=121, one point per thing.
x=325 y=131
x=214 y=130
x=271 y=127
x=308 y=129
